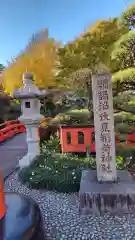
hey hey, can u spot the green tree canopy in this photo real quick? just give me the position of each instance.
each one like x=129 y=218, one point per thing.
x=128 y=17
x=90 y=49
x=123 y=52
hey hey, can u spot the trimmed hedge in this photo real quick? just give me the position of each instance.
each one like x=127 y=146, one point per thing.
x=54 y=171
x=75 y=116
x=59 y=172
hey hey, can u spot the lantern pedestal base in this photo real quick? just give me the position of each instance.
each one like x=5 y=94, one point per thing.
x=27 y=160
x=101 y=197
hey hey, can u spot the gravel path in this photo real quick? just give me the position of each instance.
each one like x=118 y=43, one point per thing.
x=62 y=221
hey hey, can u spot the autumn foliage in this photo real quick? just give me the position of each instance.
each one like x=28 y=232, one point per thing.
x=39 y=58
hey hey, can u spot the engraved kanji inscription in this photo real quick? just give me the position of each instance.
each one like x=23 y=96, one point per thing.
x=104 y=116
x=103 y=95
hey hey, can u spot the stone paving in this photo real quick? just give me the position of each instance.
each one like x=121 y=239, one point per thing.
x=10 y=152
x=63 y=222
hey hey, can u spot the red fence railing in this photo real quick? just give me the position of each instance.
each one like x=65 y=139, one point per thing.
x=11 y=128
x=69 y=139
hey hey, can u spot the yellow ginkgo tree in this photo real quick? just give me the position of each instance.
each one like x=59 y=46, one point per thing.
x=39 y=58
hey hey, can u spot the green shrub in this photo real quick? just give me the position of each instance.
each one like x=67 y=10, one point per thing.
x=125 y=150
x=75 y=116
x=59 y=172
x=46 y=132
x=119 y=118
x=62 y=172
x=55 y=171
x=15 y=107
x=122 y=128
x=121 y=163
x=52 y=144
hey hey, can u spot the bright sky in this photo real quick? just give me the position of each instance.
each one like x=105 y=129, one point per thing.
x=19 y=19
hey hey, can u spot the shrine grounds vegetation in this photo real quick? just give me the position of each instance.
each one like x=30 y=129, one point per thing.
x=59 y=172
x=73 y=116
x=105 y=45
x=124 y=122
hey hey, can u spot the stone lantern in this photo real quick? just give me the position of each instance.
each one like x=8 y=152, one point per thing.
x=29 y=96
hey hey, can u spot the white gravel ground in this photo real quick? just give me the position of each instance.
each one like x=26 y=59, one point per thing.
x=63 y=222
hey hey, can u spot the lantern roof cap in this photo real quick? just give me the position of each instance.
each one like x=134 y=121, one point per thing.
x=29 y=89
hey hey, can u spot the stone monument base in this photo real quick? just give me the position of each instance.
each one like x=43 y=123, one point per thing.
x=99 y=198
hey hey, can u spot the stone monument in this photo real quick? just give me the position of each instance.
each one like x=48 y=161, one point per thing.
x=104 y=127
x=29 y=96
x=105 y=189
